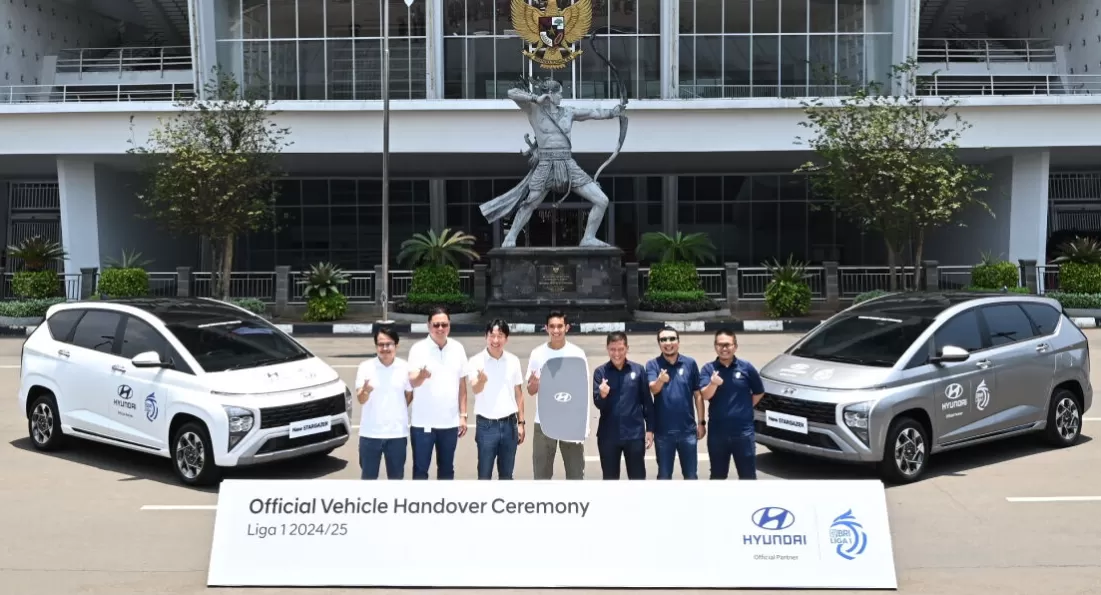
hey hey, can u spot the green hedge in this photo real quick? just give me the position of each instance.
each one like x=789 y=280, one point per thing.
x=36 y=284
x=787 y=298
x=678 y=302
x=995 y=275
x=1077 y=277
x=326 y=309
x=123 y=283
x=1085 y=301
x=434 y=286
x=31 y=308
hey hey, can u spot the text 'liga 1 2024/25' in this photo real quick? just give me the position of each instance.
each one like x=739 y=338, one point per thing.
x=789 y=534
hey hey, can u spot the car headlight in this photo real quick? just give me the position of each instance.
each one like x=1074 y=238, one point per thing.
x=856 y=417
x=240 y=423
x=348 y=400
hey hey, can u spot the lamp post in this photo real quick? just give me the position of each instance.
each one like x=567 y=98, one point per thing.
x=386 y=159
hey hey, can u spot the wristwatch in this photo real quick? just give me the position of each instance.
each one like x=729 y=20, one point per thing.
x=702 y=422
x=521 y=422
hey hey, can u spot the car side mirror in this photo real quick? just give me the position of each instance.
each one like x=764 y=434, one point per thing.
x=148 y=359
x=951 y=354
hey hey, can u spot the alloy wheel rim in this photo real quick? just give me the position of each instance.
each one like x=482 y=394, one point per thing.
x=190 y=455
x=909 y=451
x=42 y=423
x=1067 y=419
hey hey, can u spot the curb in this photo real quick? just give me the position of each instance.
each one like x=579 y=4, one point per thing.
x=585 y=328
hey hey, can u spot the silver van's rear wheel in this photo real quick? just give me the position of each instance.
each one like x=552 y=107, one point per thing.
x=1064 y=419
x=905 y=452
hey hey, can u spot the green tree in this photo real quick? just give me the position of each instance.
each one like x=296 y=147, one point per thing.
x=210 y=170
x=887 y=160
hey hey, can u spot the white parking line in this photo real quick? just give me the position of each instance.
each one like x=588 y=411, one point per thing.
x=1091 y=418
x=1056 y=499
x=356 y=426
x=179 y=507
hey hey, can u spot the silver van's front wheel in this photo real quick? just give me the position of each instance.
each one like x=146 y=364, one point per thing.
x=906 y=451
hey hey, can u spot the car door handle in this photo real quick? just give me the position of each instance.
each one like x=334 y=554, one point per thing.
x=984 y=364
x=118 y=368
x=1043 y=347
x=63 y=353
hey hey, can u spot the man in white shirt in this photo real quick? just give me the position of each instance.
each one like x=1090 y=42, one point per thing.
x=496 y=377
x=437 y=372
x=543 y=448
x=384 y=392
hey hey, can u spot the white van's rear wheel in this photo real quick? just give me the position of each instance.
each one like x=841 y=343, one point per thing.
x=44 y=423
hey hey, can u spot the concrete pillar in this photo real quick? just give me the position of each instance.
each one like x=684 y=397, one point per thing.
x=434 y=69
x=1029 y=277
x=669 y=48
x=437 y=209
x=206 y=21
x=931 y=273
x=381 y=285
x=282 y=288
x=832 y=286
x=87 y=282
x=732 y=290
x=1028 y=207
x=480 y=285
x=183 y=281
x=631 y=290
x=76 y=179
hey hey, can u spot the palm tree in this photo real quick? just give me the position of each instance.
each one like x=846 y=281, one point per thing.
x=692 y=248
x=443 y=249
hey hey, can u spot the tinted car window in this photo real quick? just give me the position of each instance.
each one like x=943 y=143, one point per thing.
x=867 y=340
x=139 y=337
x=96 y=330
x=961 y=331
x=234 y=344
x=1043 y=316
x=62 y=323
x=1006 y=324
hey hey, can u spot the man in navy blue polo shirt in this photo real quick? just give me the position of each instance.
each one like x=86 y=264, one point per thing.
x=622 y=394
x=678 y=407
x=732 y=387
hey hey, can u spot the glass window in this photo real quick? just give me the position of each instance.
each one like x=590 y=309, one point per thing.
x=97 y=330
x=62 y=323
x=139 y=337
x=961 y=331
x=864 y=340
x=1043 y=316
x=234 y=344
x=1006 y=323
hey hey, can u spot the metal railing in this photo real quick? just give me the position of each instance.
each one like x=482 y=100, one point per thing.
x=964 y=50
x=1039 y=84
x=95 y=93
x=124 y=59
x=719 y=91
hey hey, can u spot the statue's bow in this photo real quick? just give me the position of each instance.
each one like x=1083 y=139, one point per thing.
x=622 y=105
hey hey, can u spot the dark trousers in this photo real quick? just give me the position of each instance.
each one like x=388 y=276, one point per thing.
x=373 y=450
x=443 y=441
x=497 y=441
x=667 y=447
x=633 y=452
x=739 y=444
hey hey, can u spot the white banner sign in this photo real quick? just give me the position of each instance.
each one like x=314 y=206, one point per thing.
x=531 y=534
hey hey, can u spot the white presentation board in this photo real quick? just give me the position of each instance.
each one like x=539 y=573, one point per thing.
x=543 y=534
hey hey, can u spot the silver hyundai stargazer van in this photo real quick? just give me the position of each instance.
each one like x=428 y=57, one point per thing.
x=898 y=378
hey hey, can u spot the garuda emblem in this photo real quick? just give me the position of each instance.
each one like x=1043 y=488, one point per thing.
x=551 y=31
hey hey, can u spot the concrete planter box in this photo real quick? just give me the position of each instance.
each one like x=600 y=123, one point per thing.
x=1084 y=312
x=21 y=320
x=648 y=316
x=462 y=318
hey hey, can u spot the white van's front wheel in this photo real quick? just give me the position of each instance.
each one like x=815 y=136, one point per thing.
x=193 y=455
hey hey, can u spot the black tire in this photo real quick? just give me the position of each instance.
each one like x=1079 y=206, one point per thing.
x=44 y=423
x=193 y=456
x=1064 y=419
x=909 y=437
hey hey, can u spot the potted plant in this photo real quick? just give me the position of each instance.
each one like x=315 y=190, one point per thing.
x=787 y=293
x=674 y=286
x=37 y=284
x=126 y=277
x=324 y=301
x=435 y=261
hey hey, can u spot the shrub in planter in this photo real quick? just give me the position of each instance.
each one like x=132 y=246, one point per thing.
x=36 y=284
x=869 y=295
x=435 y=260
x=674 y=284
x=1082 y=301
x=992 y=273
x=253 y=305
x=32 y=308
x=1009 y=289
x=125 y=278
x=787 y=294
x=324 y=302
x=36 y=281
x=1080 y=266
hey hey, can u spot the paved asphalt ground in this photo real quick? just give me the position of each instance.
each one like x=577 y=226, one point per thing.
x=74 y=522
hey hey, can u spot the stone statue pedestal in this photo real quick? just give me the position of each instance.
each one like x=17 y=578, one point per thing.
x=585 y=283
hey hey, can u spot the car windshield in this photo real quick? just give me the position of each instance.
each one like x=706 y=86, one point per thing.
x=221 y=344
x=864 y=339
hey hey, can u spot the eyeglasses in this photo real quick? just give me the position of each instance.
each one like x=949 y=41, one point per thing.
x=384 y=345
x=441 y=324
x=667 y=339
x=725 y=345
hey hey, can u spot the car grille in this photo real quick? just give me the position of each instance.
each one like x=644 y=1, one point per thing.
x=275 y=417
x=280 y=443
x=814 y=411
x=817 y=439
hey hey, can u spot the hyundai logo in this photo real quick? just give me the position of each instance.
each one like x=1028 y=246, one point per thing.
x=125 y=391
x=788 y=390
x=953 y=392
x=773 y=518
x=563 y=397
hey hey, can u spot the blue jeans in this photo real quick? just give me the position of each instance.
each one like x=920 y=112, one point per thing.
x=497 y=439
x=677 y=444
x=373 y=450
x=444 y=441
x=739 y=443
